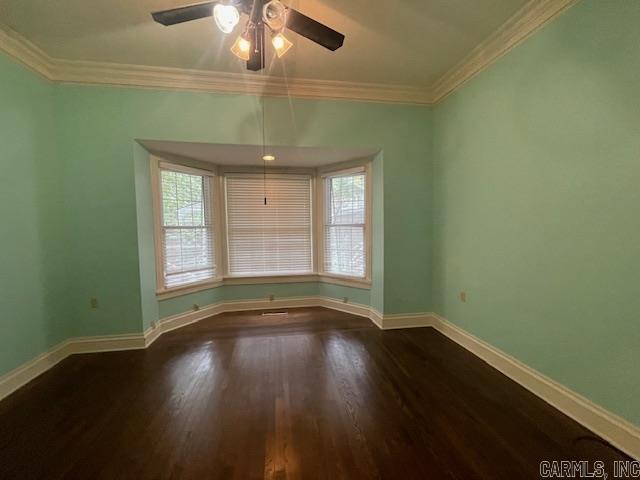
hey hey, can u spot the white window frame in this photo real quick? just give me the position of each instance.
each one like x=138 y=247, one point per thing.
x=216 y=176
x=157 y=165
x=321 y=213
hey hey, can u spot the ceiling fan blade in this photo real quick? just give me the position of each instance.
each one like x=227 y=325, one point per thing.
x=256 y=58
x=313 y=30
x=184 y=14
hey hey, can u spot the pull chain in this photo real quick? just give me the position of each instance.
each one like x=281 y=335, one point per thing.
x=264 y=161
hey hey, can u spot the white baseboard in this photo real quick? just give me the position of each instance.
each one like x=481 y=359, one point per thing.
x=376 y=317
x=615 y=430
x=107 y=343
x=407 y=320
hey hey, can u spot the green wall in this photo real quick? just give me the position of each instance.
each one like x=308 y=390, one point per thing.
x=107 y=170
x=30 y=267
x=537 y=189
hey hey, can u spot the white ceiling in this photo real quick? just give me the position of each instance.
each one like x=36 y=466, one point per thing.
x=396 y=42
x=251 y=155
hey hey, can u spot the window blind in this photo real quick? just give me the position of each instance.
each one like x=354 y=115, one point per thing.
x=187 y=228
x=344 y=226
x=271 y=239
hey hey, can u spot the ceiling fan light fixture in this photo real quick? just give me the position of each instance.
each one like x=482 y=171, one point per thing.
x=281 y=44
x=268 y=158
x=274 y=14
x=266 y=17
x=241 y=48
x=226 y=17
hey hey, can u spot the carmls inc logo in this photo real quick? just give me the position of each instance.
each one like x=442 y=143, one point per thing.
x=584 y=469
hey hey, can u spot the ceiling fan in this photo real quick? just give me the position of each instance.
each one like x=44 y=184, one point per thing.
x=249 y=45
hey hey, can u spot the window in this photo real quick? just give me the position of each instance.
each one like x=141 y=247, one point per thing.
x=345 y=215
x=186 y=224
x=271 y=239
x=215 y=228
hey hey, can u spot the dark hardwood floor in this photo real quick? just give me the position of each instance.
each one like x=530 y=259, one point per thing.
x=314 y=394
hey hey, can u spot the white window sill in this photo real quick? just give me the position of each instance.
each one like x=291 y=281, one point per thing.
x=187 y=289
x=256 y=280
x=345 y=281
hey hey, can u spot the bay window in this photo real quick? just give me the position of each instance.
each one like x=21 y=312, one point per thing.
x=217 y=225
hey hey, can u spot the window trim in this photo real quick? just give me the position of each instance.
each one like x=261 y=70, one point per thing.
x=216 y=174
x=321 y=213
x=157 y=165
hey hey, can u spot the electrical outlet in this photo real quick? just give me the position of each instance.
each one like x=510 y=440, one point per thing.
x=272 y=298
x=196 y=307
x=93 y=303
x=345 y=299
x=463 y=297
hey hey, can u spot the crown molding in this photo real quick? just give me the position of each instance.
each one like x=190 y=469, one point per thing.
x=99 y=73
x=525 y=22
x=166 y=78
x=534 y=15
x=25 y=52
